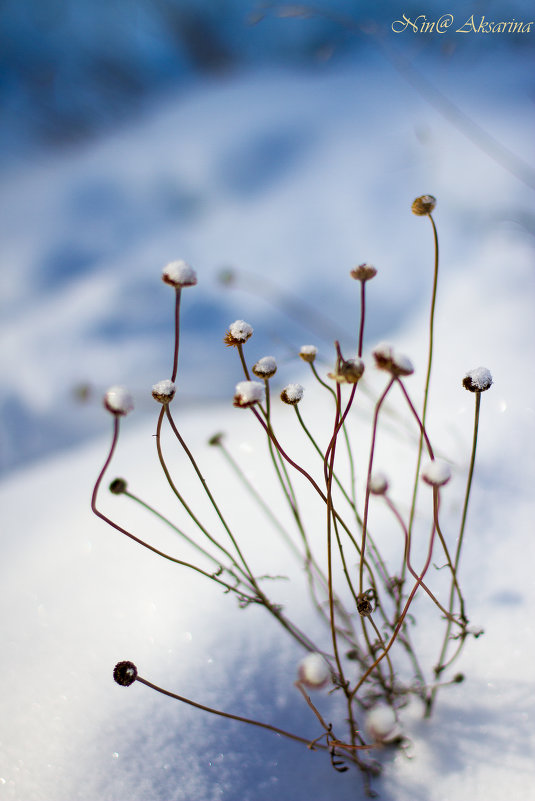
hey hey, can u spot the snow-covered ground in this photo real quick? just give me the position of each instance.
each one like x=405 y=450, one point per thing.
x=293 y=177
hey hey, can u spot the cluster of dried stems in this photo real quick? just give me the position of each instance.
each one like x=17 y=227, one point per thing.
x=360 y=598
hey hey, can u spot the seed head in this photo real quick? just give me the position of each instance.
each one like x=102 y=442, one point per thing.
x=292 y=394
x=238 y=333
x=436 y=473
x=248 y=393
x=179 y=274
x=266 y=367
x=125 y=673
x=164 y=391
x=424 y=205
x=381 y=724
x=118 y=486
x=386 y=358
x=313 y=671
x=347 y=371
x=365 y=605
x=308 y=353
x=477 y=380
x=118 y=401
x=215 y=439
x=364 y=272
x=378 y=484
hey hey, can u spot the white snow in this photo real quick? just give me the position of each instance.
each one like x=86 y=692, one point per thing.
x=313 y=671
x=308 y=352
x=266 y=367
x=240 y=330
x=248 y=392
x=179 y=274
x=118 y=400
x=480 y=378
x=79 y=597
x=436 y=472
x=292 y=393
x=164 y=391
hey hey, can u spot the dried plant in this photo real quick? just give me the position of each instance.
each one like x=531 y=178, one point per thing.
x=361 y=646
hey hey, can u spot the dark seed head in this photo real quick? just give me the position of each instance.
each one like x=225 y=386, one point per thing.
x=125 y=673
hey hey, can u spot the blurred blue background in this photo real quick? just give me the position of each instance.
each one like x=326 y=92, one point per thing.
x=283 y=142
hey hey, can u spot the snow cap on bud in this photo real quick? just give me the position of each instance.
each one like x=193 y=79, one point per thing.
x=125 y=673
x=424 y=205
x=381 y=724
x=179 y=274
x=364 y=272
x=164 y=391
x=308 y=353
x=347 y=371
x=378 y=484
x=118 y=400
x=292 y=394
x=436 y=473
x=386 y=358
x=313 y=671
x=248 y=392
x=478 y=380
x=266 y=367
x=238 y=332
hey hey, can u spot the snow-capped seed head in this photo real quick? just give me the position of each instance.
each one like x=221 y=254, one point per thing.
x=364 y=272
x=436 y=473
x=266 y=367
x=424 y=205
x=118 y=400
x=386 y=358
x=378 y=484
x=313 y=671
x=478 y=380
x=125 y=673
x=164 y=391
x=347 y=371
x=381 y=724
x=402 y=365
x=308 y=353
x=248 y=392
x=238 y=332
x=179 y=274
x=292 y=394
x=118 y=486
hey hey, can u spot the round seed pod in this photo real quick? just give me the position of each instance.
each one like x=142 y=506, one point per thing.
x=423 y=205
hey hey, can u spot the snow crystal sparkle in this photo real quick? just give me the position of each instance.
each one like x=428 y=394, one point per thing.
x=478 y=380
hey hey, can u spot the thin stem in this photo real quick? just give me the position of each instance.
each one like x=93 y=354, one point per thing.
x=131 y=536
x=207 y=490
x=427 y=377
x=177 y=332
x=228 y=715
x=362 y=315
x=403 y=614
x=441 y=661
x=243 y=362
x=367 y=496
